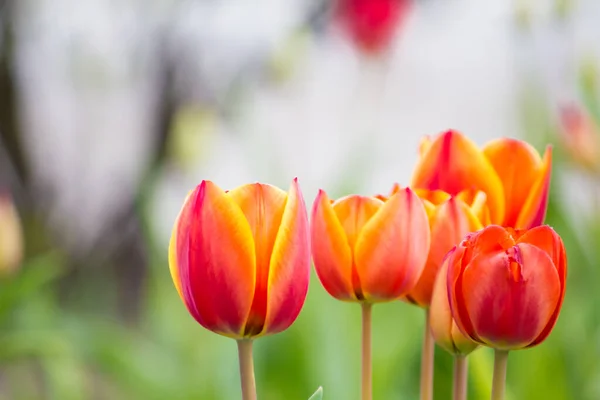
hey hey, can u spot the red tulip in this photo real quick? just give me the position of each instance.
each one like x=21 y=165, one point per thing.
x=506 y=287
x=515 y=179
x=240 y=260
x=372 y=23
x=369 y=249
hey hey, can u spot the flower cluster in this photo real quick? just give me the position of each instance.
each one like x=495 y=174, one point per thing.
x=464 y=241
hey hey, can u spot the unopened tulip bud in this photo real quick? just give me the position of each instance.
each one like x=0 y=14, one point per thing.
x=11 y=236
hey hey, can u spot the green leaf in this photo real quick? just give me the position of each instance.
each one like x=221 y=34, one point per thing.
x=318 y=395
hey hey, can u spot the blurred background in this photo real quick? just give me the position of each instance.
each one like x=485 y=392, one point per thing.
x=110 y=111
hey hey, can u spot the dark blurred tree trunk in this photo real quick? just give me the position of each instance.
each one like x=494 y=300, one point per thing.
x=13 y=156
x=123 y=246
x=133 y=260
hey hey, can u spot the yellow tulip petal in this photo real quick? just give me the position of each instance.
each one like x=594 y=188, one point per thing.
x=354 y=212
x=263 y=207
x=289 y=270
x=331 y=252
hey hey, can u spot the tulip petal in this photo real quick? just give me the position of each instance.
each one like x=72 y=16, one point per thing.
x=453 y=163
x=454 y=279
x=392 y=248
x=289 y=270
x=534 y=210
x=520 y=169
x=548 y=240
x=354 y=212
x=435 y=197
x=263 y=207
x=491 y=239
x=511 y=295
x=383 y=197
x=477 y=201
x=184 y=217
x=216 y=259
x=424 y=145
x=331 y=252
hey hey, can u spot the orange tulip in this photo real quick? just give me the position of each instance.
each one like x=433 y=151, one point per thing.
x=515 y=179
x=369 y=249
x=506 y=287
x=240 y=260
x=450 y=219
x=443 y=327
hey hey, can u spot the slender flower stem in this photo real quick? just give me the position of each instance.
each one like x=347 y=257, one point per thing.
x=427 y=362
x=246 y=369
x=499 y=382
x=367 y=378
x=460 y=377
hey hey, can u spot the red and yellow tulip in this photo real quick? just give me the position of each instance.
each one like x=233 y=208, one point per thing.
x=369 y=249
x=515 y=179
x=240 y=259
x=506 y=287
x=450 y=219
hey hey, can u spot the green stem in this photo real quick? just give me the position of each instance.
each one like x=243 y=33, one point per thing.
x=460 y=377
x=246 y=369
x=499 y=382
x=427 y=358
x=367 y=374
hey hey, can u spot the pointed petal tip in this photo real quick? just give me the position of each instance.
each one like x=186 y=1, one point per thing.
x=295 y=185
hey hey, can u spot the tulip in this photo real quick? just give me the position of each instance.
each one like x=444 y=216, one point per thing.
x=372 y=23
x=11 y=236
x=515 y=179
x=369 y=250
x=447 y=335
x=240 y=261
x=506 y=288
x=580 y=137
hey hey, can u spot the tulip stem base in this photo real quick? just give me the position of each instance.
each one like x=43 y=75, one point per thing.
x=367 y=372
x=246 y=369
x=460 y=377
x=427 y=359
x=499 y=382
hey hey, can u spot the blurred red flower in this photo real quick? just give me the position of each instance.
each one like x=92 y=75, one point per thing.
x=371 y=24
